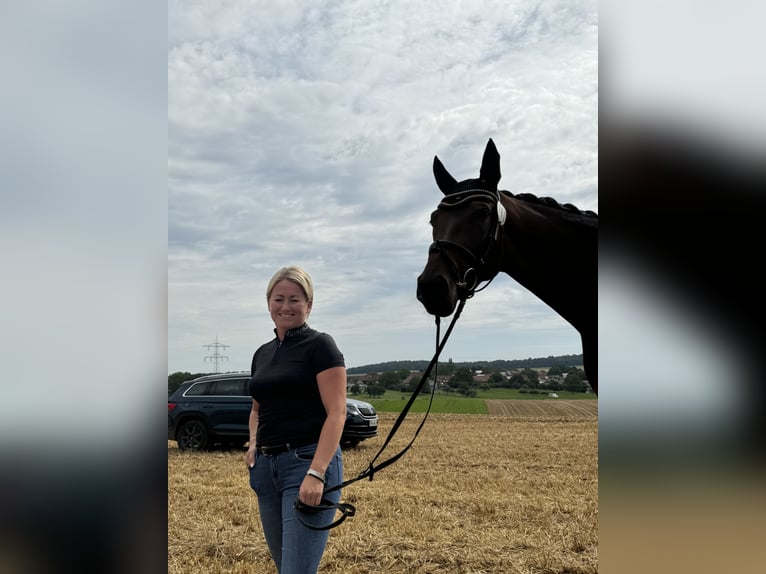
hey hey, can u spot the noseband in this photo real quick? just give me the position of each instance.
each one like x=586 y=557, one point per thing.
x=470 y=279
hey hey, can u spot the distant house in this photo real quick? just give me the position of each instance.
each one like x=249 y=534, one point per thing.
x=441 y=381
x=413 y=376
x=361 y=379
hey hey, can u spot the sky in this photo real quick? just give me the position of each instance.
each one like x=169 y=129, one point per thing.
x=306 y=135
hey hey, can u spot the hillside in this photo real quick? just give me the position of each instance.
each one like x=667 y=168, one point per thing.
x=496 y=365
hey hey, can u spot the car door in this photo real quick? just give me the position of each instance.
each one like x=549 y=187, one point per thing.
x=231 y=407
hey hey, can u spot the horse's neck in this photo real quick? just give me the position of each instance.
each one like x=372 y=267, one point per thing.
x=553 y=253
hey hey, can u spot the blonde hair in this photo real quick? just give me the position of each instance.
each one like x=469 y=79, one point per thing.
x=295 y=274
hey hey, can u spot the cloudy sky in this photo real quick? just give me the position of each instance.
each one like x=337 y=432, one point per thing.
x=306 y=135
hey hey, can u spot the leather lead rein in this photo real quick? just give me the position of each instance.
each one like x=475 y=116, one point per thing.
x=348 y=509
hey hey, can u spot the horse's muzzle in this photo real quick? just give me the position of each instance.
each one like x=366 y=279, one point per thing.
x=437 y=294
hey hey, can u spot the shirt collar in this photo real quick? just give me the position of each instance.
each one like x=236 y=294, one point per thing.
x=297 y=331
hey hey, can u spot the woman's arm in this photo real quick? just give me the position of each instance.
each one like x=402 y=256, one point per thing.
x=332 y=390
x=253 y=426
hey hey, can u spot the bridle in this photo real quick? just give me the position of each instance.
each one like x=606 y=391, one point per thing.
x=466 y=290
x=470 y=278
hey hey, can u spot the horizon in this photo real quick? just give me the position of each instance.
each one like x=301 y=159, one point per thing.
x=407 y=361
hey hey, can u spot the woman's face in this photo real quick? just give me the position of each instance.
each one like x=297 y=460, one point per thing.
x=288 y=306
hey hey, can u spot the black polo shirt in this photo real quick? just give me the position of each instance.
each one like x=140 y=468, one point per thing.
x=284 y=384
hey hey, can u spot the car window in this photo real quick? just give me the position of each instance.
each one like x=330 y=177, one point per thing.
x=199 y=389
x=231 y=388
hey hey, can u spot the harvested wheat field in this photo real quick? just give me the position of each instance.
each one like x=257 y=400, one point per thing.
x=475 y=494
x=571 y=410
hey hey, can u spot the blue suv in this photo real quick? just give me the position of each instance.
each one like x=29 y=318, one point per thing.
x=215 y=409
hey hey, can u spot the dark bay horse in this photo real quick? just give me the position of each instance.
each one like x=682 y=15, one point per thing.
x=549 y=248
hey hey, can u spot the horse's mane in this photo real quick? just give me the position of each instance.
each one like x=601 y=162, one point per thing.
x=550 y=202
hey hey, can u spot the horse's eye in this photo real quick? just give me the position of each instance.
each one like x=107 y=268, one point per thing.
x=481 y=212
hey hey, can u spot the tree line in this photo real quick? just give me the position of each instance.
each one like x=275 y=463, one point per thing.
x=495 y=365
x=463 y=381
x=562 y=374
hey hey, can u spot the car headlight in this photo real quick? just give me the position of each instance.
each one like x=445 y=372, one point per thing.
x=352 y=410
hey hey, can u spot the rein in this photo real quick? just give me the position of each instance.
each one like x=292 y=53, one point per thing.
x=348 y=509
x=466 y=290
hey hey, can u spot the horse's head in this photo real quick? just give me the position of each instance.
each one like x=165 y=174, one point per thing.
x=466 y=227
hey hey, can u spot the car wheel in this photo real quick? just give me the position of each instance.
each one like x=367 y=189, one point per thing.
x=192 y=436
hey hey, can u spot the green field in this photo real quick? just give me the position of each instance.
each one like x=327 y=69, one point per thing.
x=394 y=401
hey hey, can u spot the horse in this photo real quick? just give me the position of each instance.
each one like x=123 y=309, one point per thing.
x=548 y=248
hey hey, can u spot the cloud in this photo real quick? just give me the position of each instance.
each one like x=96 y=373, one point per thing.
x=306 y=136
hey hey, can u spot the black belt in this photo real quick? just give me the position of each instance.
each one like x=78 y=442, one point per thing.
x=275 y=449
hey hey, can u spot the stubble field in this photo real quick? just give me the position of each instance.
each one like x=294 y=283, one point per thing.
x=476 y=494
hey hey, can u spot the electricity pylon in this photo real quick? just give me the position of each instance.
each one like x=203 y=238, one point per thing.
x=216 y=356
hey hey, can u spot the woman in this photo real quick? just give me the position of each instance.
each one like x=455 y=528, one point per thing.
x=298 y=387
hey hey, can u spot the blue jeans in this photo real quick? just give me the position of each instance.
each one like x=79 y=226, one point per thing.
x=276 y=480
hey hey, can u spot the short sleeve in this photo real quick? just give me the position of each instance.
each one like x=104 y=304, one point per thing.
x=326 y=354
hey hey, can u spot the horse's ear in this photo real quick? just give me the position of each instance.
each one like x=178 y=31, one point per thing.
x=443 y=179
x=490 y=165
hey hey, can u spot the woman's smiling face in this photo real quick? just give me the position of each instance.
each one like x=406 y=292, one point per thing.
x=288 y=306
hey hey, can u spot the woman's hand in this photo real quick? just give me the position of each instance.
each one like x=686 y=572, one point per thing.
x=250 y=457
x=311 y=491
